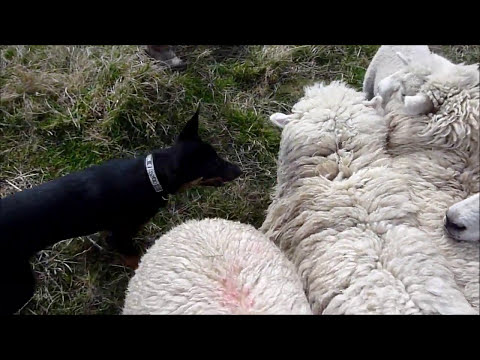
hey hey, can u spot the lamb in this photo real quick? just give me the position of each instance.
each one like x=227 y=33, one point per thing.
x=361 y=195
x=386 y=62
x=215 y=266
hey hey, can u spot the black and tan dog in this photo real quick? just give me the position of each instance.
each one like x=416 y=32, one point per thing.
x=118 y=196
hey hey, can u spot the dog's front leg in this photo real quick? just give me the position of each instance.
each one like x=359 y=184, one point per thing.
x=18 y=284
x=121 y=240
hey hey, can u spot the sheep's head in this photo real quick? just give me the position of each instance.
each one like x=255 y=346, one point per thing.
x=437 y=97
x=404 y=87
x=423 y=86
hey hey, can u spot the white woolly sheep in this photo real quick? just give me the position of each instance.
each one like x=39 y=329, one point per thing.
x=361 y=219
x=215 y=266
x=440 y=145
x=443 y=125
x=433 y=104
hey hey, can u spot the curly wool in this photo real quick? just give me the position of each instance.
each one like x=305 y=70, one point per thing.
x=364 y=230
x=215 y=266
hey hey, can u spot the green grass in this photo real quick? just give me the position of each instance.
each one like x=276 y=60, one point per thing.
x=64 y=108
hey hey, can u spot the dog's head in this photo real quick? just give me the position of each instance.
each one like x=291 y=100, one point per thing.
x=197 y=163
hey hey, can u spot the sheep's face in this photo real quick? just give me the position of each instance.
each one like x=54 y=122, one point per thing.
x=403 y=89
x=440 y=100
x=462 y=220
x=422 y=86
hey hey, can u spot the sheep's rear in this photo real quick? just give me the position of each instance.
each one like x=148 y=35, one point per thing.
x=215 y=266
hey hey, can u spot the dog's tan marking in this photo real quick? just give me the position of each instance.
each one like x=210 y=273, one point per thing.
x=190 y=184
x=131 y=261
x=211 y=181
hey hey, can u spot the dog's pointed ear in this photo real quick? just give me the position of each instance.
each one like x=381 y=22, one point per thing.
x=190 y=131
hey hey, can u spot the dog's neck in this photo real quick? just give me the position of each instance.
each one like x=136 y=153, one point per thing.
x=150 y=167
x=164 y=166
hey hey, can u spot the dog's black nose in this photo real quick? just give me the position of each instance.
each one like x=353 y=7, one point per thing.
x=237 y=172
x=233 y=172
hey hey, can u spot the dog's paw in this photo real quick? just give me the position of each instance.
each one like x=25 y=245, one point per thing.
x=131 y=261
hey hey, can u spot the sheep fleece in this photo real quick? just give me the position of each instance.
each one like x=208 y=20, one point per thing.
x=215 y=266
x=364 y=227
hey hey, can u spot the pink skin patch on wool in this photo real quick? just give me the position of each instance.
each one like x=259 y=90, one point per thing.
x=234 y=294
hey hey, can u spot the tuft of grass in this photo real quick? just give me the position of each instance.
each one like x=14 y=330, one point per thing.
x=64 y=108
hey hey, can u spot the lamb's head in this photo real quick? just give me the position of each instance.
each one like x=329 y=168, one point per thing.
x=438 y=98
x=404 y=87
x=403 y=90
x=462 y=220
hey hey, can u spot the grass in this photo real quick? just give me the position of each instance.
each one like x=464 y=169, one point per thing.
x=64 y=108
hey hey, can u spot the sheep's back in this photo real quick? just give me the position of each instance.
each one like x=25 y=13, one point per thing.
x=215 y=266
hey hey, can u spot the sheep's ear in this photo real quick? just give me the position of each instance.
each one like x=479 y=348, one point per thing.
x=406 y=60
x=387 y=87
x=418 y=104
x=280 y=120
x=190 y=131
x=376 y=103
